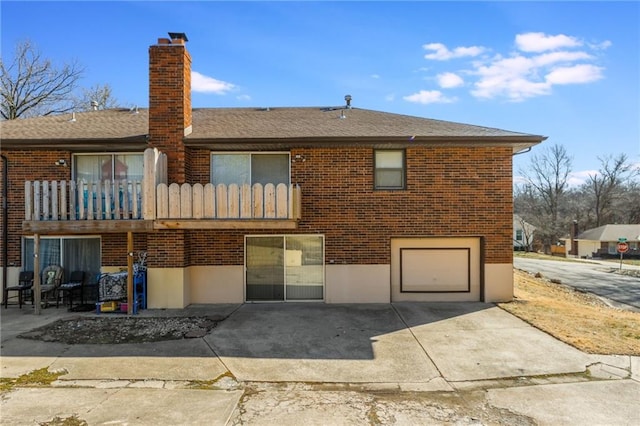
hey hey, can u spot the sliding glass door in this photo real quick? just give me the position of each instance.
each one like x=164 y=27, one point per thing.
x=72 y=253
x=281 y=268
x=265 y=268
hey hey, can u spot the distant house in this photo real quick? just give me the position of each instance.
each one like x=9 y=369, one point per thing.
x=522 y=234
x=603 y=241
x=331 y=203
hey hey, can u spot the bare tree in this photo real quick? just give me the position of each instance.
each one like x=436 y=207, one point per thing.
x=607 y=187
x=31 y=85
x=630 y=204
x=544 y=190
x=96 y=98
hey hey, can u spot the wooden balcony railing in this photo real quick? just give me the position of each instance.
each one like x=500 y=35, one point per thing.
x=69 y=200
x=155 y=204
x=228 y=202
x=122 y=200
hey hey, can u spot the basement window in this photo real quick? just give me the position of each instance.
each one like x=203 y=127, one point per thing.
x=390 y=169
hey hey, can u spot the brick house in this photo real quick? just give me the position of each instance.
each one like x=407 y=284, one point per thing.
x=231 y=205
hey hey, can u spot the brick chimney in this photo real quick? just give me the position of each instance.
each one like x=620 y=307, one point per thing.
x=170 y=102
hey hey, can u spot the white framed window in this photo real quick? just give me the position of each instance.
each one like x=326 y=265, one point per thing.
x=389 y=169
x=250 y=168
x=113 y=166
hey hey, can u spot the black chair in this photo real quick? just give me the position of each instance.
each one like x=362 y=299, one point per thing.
x=67 y=289
x=24 y=289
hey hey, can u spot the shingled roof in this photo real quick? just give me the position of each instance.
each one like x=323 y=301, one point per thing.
x=612 y=232
x=317 y=125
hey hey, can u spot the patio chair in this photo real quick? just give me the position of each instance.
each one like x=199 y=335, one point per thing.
x=50 y=283
x=24 y=288
x=67 y=289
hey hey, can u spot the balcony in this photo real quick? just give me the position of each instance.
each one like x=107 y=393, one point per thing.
x=153 y=204
x=234 y=206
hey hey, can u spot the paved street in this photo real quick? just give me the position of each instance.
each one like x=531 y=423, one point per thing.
x=597 y=277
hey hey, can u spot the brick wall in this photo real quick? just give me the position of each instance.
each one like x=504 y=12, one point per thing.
x=450 y=192
x=23 y=166
x=114 y=248
x=170 y=104
x=200 y=165
x=168 y=249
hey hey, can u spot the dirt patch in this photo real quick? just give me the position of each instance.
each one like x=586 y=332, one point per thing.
x=579 y=319
x=114 y=330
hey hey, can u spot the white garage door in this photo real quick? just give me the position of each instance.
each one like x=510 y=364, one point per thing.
x=435 y=269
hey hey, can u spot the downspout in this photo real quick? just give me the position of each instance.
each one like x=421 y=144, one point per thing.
x=5 y=220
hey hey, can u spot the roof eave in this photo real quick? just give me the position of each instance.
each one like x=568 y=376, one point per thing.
x=518 y=143
x=85 y=144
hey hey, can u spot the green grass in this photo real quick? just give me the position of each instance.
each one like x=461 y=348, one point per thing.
x=36 y=378
x=68 y=421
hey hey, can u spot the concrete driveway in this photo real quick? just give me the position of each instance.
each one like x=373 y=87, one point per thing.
x=597 y=277
x=400 y=343
x=290 y=364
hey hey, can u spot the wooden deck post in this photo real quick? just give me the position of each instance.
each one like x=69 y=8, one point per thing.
x=149 y=183
x=130 y=300
x=36 y=274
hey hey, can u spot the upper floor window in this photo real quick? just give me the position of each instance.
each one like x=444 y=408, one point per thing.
x=389 y=169
x=250 y=168
x=100 y=167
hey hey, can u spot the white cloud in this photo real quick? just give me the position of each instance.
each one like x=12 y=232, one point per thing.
x=204 y=84
x=600 y=46
x=243 y=97
x=574 y=180
x=559 y=57
x=429 y=97
x=520 y=77
x=540 y=42
x=442 y=53
x=375 y=76
x=390 y=97
x=578 y=178
x=577 y=74
x=519 y=180
x=449 y=80
x=540 y=62
x=509 y=77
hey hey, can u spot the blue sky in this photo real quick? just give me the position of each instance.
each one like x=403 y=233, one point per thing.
x=567 y=70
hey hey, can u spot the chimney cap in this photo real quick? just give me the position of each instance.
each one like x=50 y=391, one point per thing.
x=178 y=36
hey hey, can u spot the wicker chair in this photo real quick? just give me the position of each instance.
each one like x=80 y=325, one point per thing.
x=50 y=283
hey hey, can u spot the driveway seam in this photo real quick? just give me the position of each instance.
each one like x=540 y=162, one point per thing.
x=418 y=341
x=211 y=347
